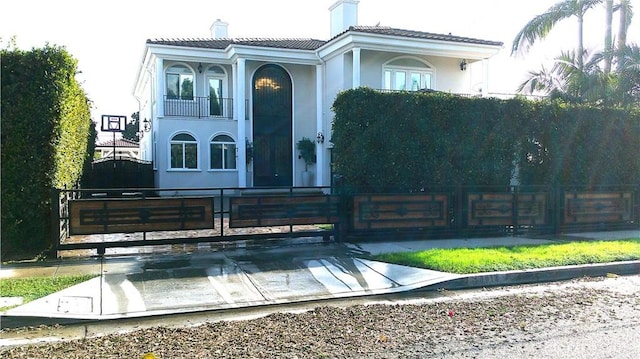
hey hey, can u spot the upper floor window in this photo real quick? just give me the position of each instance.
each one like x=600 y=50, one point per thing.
x=179 y=83
x=407 y=74
x=223 y=153
x=216 y=80
x=184 y=152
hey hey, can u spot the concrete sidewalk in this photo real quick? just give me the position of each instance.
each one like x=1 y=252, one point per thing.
x=140 y=286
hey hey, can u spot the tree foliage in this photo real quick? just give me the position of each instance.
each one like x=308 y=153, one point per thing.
x=45 y=129
x=132 y=128
x=597 y=77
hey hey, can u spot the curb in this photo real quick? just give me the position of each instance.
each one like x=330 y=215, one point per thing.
x=542 y=275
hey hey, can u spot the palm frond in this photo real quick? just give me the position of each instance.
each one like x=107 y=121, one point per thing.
x=540 y=26
x=630 y=59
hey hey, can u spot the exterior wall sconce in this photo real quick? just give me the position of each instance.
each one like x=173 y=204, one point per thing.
x=200 y=67
x=320 y=138
x=146 y=125
x=463 y=65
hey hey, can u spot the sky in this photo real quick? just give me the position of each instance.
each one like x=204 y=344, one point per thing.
x=108 y=37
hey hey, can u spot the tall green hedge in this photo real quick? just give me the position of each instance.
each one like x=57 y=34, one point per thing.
x=45 y=130
x=412 y=141
x=572 y=145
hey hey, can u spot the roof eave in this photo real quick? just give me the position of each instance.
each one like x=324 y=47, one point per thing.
x=394 y=43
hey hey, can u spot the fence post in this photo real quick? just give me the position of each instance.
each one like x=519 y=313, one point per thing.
x=558 y=208
x=344 y=212
x=515 y=214
x=55 y=222
x=637 y=206
x=460 y=211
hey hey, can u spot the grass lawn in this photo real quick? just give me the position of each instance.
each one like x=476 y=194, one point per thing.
x=476 y=260
x=38 y=287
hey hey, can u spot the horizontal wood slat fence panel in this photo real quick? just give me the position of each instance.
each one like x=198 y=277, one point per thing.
x=266 y=211
x=507 y=209
x=589 y=207
x=103 y=216
x=400 y=211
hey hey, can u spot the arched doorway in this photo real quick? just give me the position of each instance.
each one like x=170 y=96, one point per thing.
x=272 y=133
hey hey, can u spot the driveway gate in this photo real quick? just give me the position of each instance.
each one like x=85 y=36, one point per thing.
x=231 y=214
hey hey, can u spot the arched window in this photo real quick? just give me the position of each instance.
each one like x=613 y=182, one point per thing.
x=223 y=153
x=184 y=152
x=407 y=74
x=179 y=83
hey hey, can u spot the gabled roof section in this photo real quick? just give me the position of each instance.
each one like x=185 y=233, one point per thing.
x=389 y=31
x=221 y=44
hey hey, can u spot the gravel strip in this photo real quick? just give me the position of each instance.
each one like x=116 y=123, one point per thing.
x=452 y=326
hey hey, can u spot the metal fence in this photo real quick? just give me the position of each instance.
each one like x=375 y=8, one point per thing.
x=199 y=107
x=176 y=216
x=478 y=211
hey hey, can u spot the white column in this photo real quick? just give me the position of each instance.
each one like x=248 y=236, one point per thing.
x=321 y=166
x=159 y=87
x=240 y=117
x=356 y=68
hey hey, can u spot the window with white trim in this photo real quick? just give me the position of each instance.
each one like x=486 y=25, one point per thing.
x=184 y=152
x=216 y=82
x=222 y=151
x=179 y=83
x=407 y=74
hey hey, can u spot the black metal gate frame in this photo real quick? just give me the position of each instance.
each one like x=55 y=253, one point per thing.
x=443 y=213
x=242 y=207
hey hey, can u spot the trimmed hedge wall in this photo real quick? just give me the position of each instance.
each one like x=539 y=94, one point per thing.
x=580 y=146
x=45 y=133
x=409 y=141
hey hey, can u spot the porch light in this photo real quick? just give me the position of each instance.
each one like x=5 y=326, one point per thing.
x=146 y=125
x=463 y=65
x=200 y=67
x=320 y=138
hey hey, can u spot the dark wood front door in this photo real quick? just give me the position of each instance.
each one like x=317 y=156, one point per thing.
x=272 y=118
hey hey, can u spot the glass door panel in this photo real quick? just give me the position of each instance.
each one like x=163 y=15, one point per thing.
x=215 y=97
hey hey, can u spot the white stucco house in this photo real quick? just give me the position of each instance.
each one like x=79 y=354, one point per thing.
x=212 y=102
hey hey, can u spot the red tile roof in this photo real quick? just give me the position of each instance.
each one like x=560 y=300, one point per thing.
x=385 y=30
x=119 y=143
x=313 y=44
x=221 y=44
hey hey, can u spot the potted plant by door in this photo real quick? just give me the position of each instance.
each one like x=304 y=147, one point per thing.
x=307 y=150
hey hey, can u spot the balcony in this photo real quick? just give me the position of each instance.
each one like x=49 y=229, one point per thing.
x=199 y=107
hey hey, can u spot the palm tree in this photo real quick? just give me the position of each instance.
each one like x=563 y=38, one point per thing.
x=608 y=43
x=628 y=74
x=591 y=84
x=543 y=81
x=567 y=81
x=570 y=77
x=626 y=14
x=540 y=26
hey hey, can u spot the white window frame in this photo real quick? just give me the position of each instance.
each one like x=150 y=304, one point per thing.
x=183 y=143
x=225 y=88
x=168 y=71
x=224 y=143
x=408 y=71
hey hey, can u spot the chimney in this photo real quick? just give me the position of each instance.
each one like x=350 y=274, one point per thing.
x=344 y=13
x=219 y=29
